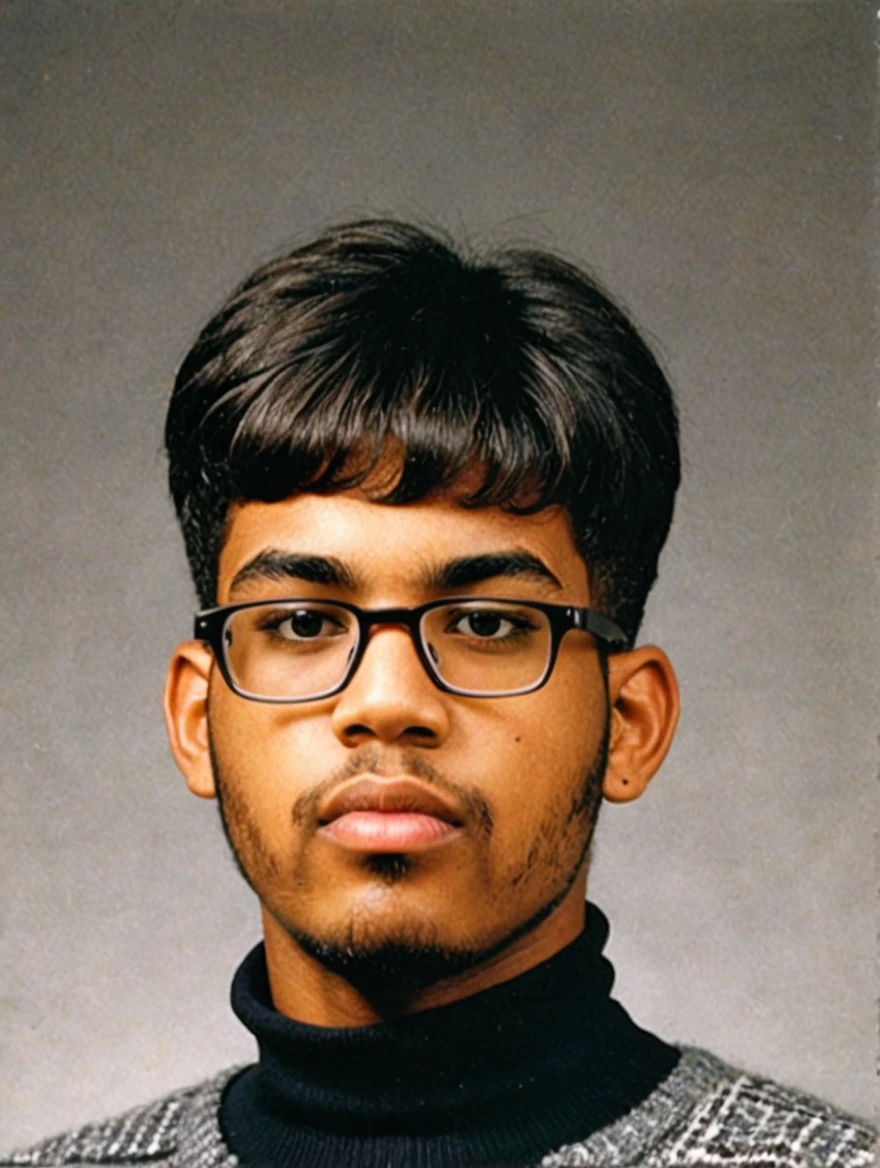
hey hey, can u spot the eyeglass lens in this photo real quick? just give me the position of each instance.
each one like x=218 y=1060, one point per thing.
x=303 y=649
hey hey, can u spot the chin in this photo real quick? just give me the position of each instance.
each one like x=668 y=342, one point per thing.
x=388 y=958
x=391 y=948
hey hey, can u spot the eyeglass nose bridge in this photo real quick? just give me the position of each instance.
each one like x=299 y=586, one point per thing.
x=370 y=618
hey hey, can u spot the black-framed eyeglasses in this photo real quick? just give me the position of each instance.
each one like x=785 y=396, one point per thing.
x=299 y=650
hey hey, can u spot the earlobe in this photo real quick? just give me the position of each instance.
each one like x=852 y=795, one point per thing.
x=186 y=715
x=643 y=692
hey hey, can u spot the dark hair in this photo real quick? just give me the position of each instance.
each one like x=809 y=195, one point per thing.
x=380 y=337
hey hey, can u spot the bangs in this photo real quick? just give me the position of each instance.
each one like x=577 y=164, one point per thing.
x=305 y=429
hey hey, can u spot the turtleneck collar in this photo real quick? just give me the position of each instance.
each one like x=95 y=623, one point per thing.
x=498 y=1078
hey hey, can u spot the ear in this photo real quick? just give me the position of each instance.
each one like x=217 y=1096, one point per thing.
x=643 y=692
x=186 y=715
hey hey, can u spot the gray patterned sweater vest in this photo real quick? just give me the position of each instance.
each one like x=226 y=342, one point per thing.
x=704 y=1114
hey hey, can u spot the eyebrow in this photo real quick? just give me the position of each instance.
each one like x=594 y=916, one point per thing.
x=272 y=564
x=468 y=570
x=277 y=565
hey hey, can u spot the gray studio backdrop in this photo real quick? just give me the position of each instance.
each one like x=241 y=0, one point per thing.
x=712 y=163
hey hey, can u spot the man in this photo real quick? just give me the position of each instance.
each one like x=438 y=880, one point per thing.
x=423 y=499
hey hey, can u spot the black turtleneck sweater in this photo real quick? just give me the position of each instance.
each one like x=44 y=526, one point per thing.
x=500 y=1078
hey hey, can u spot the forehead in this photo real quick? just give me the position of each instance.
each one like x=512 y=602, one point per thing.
x=398 y=548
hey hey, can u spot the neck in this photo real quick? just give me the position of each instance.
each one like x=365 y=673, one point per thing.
x=536 y=1062
x=306 y=990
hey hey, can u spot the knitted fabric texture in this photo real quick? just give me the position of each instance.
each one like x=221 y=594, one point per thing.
x=704 y=1114
x=540 y=1060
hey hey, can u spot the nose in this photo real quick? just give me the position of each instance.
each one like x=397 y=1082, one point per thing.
x=391 y=698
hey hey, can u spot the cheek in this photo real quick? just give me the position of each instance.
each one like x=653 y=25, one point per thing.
x=553 y=743
x=262 y=758
x=547 y=834
x=557 y=735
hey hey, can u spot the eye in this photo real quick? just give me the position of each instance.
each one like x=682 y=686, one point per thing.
x=485 y=624
x=304 y=624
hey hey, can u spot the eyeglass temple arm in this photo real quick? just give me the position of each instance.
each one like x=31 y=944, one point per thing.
x=600 y=626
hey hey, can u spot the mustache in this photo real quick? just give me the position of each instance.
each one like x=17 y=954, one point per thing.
x=371 y=761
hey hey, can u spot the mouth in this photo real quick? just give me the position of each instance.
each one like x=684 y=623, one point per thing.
x=388 y=815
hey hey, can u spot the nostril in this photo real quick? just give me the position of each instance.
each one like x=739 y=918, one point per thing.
x=358 y=730
x=420 y=734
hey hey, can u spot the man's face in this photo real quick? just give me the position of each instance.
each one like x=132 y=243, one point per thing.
x=518 y=776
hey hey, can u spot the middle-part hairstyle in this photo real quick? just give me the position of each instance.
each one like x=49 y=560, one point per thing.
x=380 y=344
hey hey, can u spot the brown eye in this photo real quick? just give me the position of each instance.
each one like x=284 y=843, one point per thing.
x=488 y=624
x=483 y=624
x=304 y=624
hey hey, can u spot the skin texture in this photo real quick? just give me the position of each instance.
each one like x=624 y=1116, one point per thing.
x=505 y=889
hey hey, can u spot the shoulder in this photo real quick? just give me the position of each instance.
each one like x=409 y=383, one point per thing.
x=749 y=1119
x=178 y=1129
x=707 y=1114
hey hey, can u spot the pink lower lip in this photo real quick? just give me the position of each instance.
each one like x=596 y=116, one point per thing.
x=387 y=831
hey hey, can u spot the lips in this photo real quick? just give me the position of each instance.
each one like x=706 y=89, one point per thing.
x=388 y=815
